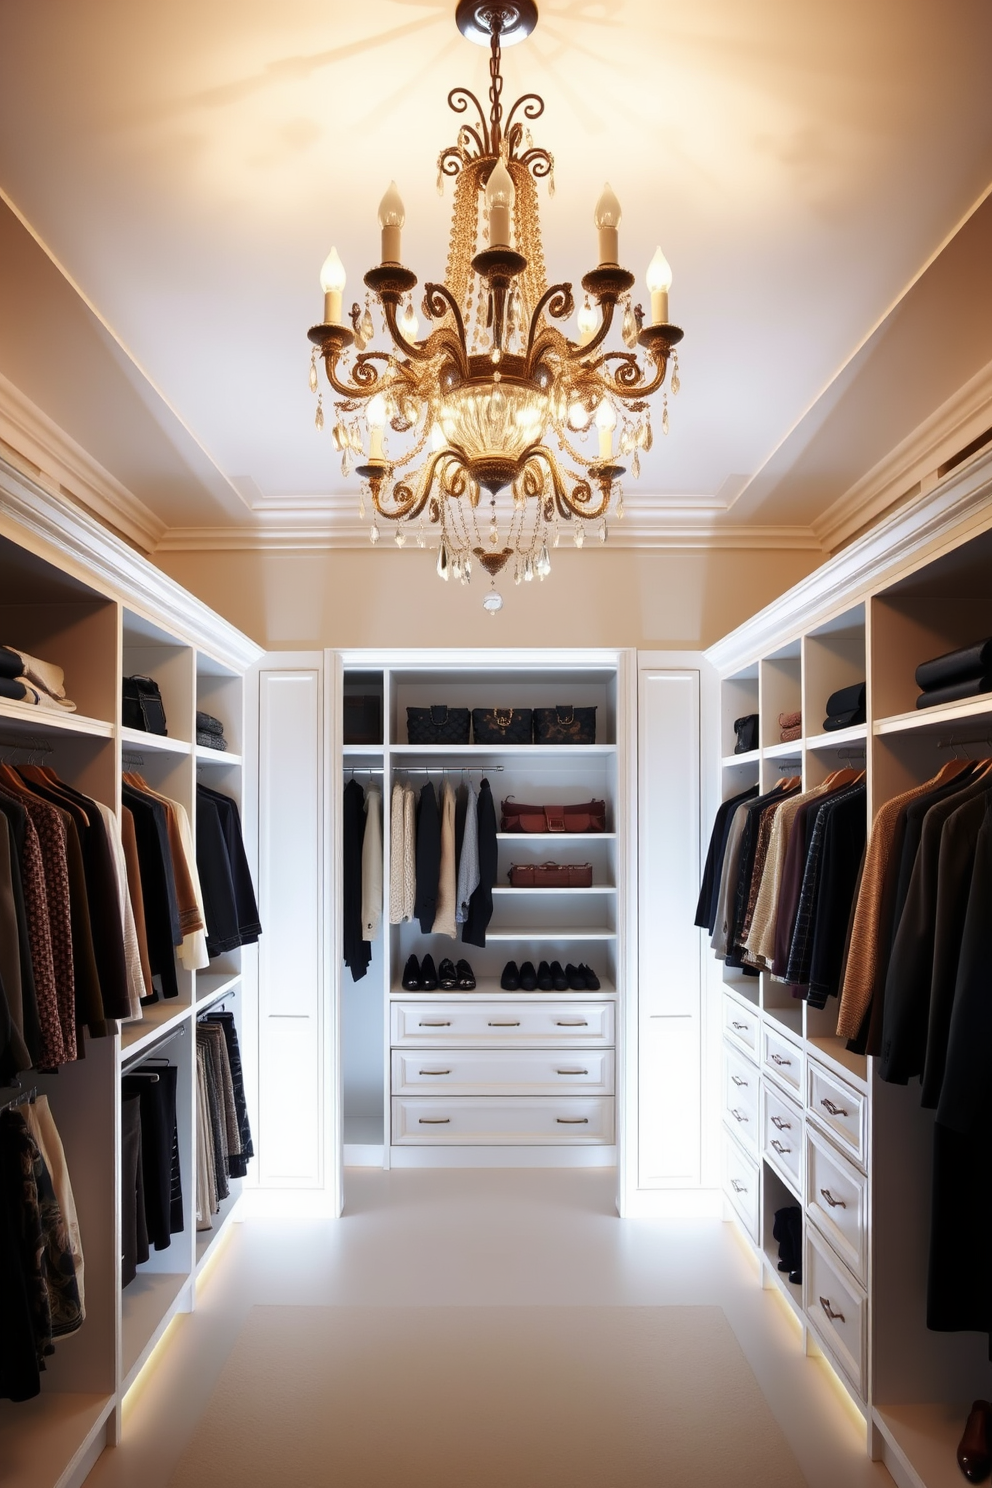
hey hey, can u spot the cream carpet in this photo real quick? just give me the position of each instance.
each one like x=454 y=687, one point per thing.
x=487 y=1397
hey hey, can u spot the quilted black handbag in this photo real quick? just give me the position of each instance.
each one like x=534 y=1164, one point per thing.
x=142 y=706
x=438 y=724
x=502 y=725
x=564 y=725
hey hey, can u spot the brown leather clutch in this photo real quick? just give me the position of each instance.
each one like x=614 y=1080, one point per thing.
x=588 y=816
x=551 y=876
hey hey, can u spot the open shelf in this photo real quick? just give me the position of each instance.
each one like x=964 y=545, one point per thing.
x=938 y=720
x=834 y=1051
x=207 y=1239
x=593 y=889
x=159 y=1018
x=211 y=986
x=206 y=756
x=551 y=932
x=780 y=1282
x=857 y=733
x=792 y=750
x=139 y=741
x=47 y=1438
x=490 y=989
x=750 y=758
x=47 y=722
x=148 y=1305
x=790 y=1019
x=523 y=837
x=924 y=1439
x=462 y=753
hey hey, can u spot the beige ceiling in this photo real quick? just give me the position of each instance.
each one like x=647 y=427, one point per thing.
x=188 y=165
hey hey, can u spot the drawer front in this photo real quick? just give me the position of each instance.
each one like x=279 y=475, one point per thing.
x=839 y=1109
x=740 y=1181
x=510 y=1121
x=502 y=1072
x=782 y=1134
x=782 y=1060
x=837 y=1312
x=836 y=1200
x=500 y=1024
x=741 y=1024
x=740 y=1098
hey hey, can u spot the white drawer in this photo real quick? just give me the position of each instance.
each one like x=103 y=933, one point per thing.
x=782 y=1134
x=836 y=1201
x=741 y=1024
x=502 y=1072
x=740 y=1181
x=740 y=1098
x=503 y=1024
x=508 y=1121
x=839 y=1109
x=837 y=1311
x=783 y=1060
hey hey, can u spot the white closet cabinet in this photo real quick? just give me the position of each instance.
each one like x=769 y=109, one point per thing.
x=806 y=1122
x=73 y=594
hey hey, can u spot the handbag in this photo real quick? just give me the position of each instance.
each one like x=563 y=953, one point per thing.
x=362 y=721
x=746 y=729
x=564 y=725
x=589 y=816
x=142 y=705
x=502 y=725
x=438 y=724
x=550 y=875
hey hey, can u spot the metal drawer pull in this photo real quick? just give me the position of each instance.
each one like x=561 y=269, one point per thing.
x=504 y=1025
x=738 y=1187
x=573 y=1072
x=779 y=1147
x=780 y=1124
x=834 y=1110
x=737 y=1080
x=741 y=1027
x=834 y=1203
x=434 y=1120
x=737 y=1115
x=833 y=1316
x=435 y=1072
x=777 y=1059
x=435 y=1024
x=572 y=1120
x=571 y=1023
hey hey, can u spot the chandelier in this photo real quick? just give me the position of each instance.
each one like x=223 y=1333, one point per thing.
x=475 y=427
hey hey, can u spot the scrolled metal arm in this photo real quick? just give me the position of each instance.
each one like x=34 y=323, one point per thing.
x=367 y=381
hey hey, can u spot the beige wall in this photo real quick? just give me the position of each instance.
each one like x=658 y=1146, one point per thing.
x=660 y=600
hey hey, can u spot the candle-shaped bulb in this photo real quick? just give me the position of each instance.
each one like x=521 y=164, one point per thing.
x=659 y=282
x=500 y=197
x=392 y=215
x=375 y=417
x=438 y=441
x=607 y=220
x=586 y=320
x=332 y=282
x=606 y=422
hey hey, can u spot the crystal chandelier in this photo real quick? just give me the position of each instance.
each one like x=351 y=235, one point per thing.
x=494 y=398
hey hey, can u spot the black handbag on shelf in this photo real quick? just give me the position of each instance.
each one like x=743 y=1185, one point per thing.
x=564 y=725
x=142 y=706
x=438 y=724
x=746 y=729
x=502 y=725
x=362 y=719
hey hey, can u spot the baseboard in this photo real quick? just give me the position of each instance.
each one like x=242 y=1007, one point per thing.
x=363 y=1154
x=286 y=1203
x=674 y=1203
x=502 y=1157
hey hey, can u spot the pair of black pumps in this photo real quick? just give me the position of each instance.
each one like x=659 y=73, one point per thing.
x=553 y=978
x=424 y=976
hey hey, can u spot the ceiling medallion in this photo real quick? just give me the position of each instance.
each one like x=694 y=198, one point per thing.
x=493 y=398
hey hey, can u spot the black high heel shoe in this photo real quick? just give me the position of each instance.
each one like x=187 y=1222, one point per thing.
x=428 y=975
x=510 y=980
x=466 y=977
x=528 y=977
x=544 y=978
x=411 y=975
x=447 y=976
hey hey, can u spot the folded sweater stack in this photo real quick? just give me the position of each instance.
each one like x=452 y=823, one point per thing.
x=956 y=675
x=210 y=731
x=791 y=726
x=25 y=679
x=845 y=707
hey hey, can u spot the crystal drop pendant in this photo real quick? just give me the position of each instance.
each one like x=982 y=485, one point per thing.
x=421 y=540
x=528 y=139
x=374 y=532
x=551 y=182
x=494 y=536
x=557 y=537
x=580 y=536
x=620 y=505
x=466 y=569
x=442 y=563
x=626 y=443
x=543 y=564
x=361 y=503
x=456 y=568
x=528 y=569
x=629 y=327
x=647 y=438
x=360 y=341
x=346 y=463
x=367 y=328
x=664 y=419
x=355 y=439
x=493 y=602
x=518 y=573
x=318 y=417
x=676 y=380
x=313 y=373
x=400 y=538
x=635 y=466
x=604 y=531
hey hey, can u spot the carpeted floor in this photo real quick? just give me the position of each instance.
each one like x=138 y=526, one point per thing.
x=487 y=1397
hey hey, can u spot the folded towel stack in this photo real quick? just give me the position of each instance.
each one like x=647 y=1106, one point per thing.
x=956 y=675
x=791 y=725
x=845 y=707
x=210 y=731
x=25 y=679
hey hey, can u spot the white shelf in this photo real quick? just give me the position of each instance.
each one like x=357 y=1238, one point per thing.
x=786 y=1019
x=44 y=1439
x=938 y=720
x=832 y=1050
x=207 y=1239
x=46 y=721
x=594 y=889
x=924 y=1439
x=138 y=741
x=355 y=751
x=205 y=756
x=159 y=1018
x=792 y=750
x=750 y=758
x=462 y=752
x=211 y=986
x=148 y=1305
x=856 y=734
x=544 y=932
x=781 y=1283
x=558 y=836
x=490 y=989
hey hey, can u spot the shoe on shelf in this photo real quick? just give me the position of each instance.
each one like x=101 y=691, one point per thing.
x=466 y=977
x=447 y=976
x=428 y=974
x=559 y=980
x=576 y=981
x=592 y=980
x=411 y=975
x=510 y=980
x=975 y=1447
x=545 y=980
x=528 y=977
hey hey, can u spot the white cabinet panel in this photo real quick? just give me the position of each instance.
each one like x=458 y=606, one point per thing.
x=741 y=1184
x=495 y=1122
x=838 y=1312
x=740 y=1099
x=839 y=1109
x=502 y=1072
x=741 y=1023
x=669 y=1103
x=504 y=1025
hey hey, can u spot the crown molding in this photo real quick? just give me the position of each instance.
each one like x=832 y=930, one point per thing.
x=912 y=463
x=84 y=545
x=72 y=472
x=955 y=509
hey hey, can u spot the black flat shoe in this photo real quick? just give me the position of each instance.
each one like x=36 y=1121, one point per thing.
x=447 y=976
x=576 y=981
x=528 y=977
x=466 y=977
x=428 y=975
x=559 y=980
x=411 y=975
x=510 y=980
x=592 y=980
x=544 y=978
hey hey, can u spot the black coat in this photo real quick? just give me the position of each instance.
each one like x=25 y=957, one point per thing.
x=428 y=858
x=480 y=906
x=357 y=952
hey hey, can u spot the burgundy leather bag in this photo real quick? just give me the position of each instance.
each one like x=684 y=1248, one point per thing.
x=588 y=816
x=550 y=876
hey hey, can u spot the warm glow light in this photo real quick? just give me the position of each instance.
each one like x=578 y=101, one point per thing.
x=375 y=414
x=409 y=324
x=587 y=321
x=607 y=212
x=332 y=274
x=606 y=416
x=392 y=212
x=500 y=190
x=659 y=274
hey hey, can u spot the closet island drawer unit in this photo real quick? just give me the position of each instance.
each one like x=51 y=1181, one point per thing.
x=740 y=1098
x=740 y=1173
x=837 y=1311
x=511 y=1121
x=782 y=1060
x=503 y=1072
x=782 y=1134
x=836 y=1202
x=742 y=1024
x=466 y=1025
x=839 y=1109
